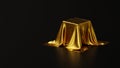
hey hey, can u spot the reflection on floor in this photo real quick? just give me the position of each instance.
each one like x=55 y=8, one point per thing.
x=72 y=59
x=94 y=57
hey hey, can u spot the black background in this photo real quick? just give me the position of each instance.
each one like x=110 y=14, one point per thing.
x=26 y=25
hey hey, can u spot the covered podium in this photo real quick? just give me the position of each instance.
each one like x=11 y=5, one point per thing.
x=74 y=32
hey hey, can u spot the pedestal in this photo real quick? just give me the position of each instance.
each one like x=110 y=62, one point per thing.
x=74 y=32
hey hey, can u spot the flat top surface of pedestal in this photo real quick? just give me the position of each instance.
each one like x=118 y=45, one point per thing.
x=77 y=20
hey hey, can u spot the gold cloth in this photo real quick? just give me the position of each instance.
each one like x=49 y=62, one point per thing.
x=74 y=32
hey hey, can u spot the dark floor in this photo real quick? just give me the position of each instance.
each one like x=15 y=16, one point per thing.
x=42 y=56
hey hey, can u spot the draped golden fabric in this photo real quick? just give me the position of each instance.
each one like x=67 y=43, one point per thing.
x=74 y=32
